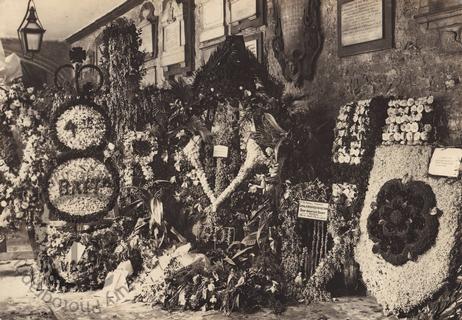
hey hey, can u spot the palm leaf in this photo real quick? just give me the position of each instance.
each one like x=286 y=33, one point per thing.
x=250 y=240
x=270 y=134
x=241 y=252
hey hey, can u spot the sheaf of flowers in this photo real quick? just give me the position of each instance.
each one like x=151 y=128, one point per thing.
x=351 y=128
x=132 y=157
x=80 y=170
x=404 y=288
x=409 y=121
x=80 y=127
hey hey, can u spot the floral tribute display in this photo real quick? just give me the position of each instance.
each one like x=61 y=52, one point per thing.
x=357 y=133
x=122 y=62
x=81 y=188
x=353 y=123
x=81 y=126
x=342 y=227
x=24 y=162
x=217 y=192
x=140 y=148
x=410 y=121
x=61 y=272
x=356 y=130
x=404 y=221
x=301 y=253
x=400 y=272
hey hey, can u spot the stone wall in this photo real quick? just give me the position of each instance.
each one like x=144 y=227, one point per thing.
x=422 y=63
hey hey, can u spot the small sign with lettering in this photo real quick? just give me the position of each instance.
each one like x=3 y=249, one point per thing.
x=313 y=210
x=220 y=151
x=445 y=162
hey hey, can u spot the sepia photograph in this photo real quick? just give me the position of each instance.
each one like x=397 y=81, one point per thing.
x=230 y=159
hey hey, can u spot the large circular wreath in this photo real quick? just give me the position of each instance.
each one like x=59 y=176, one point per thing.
x=80 y=125
x=73 y=167
x=403 y=223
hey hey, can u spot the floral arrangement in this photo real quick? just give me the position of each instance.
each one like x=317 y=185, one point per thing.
x=192 y=281
x=122 y=63
x=342 y=227
x=140 y=148
x=406 y=287
x=357 y=134
x=80 y=125
x=353 y=124
x=23 y=124
x=300 y=253
x=410 y=121
x=358 y=131
x=58 y=273
x=82 y=188
x=403 y=223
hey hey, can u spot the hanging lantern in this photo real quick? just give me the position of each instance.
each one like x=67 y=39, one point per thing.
x=30 y=32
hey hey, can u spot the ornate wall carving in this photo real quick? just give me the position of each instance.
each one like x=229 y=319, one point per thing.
x=298 y=38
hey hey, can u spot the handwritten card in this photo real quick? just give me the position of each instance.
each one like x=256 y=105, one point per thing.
x=313 y=210
x=220 y=151
x=445 y=162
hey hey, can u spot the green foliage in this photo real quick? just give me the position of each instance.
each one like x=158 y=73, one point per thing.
x=122 y=64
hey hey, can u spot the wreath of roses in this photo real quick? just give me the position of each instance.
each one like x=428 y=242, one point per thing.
x=89 y=104
x=110 y=166
x=403 y=223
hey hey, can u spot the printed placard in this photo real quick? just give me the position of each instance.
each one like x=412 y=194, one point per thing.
x=313 y=210
x=445 y=162
x=220 y=151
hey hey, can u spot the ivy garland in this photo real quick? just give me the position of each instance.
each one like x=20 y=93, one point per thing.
x=110 y=167
x=92 y=107
x=122 y=63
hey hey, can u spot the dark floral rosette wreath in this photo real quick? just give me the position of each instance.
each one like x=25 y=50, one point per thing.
x=403 y=223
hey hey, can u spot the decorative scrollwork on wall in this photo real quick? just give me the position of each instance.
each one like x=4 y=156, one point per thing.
x=298 y=38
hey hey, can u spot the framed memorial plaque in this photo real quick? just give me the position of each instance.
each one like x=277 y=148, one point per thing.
x=364 y=26
x=212 y=14
x=177 y=34
x=246 y=13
